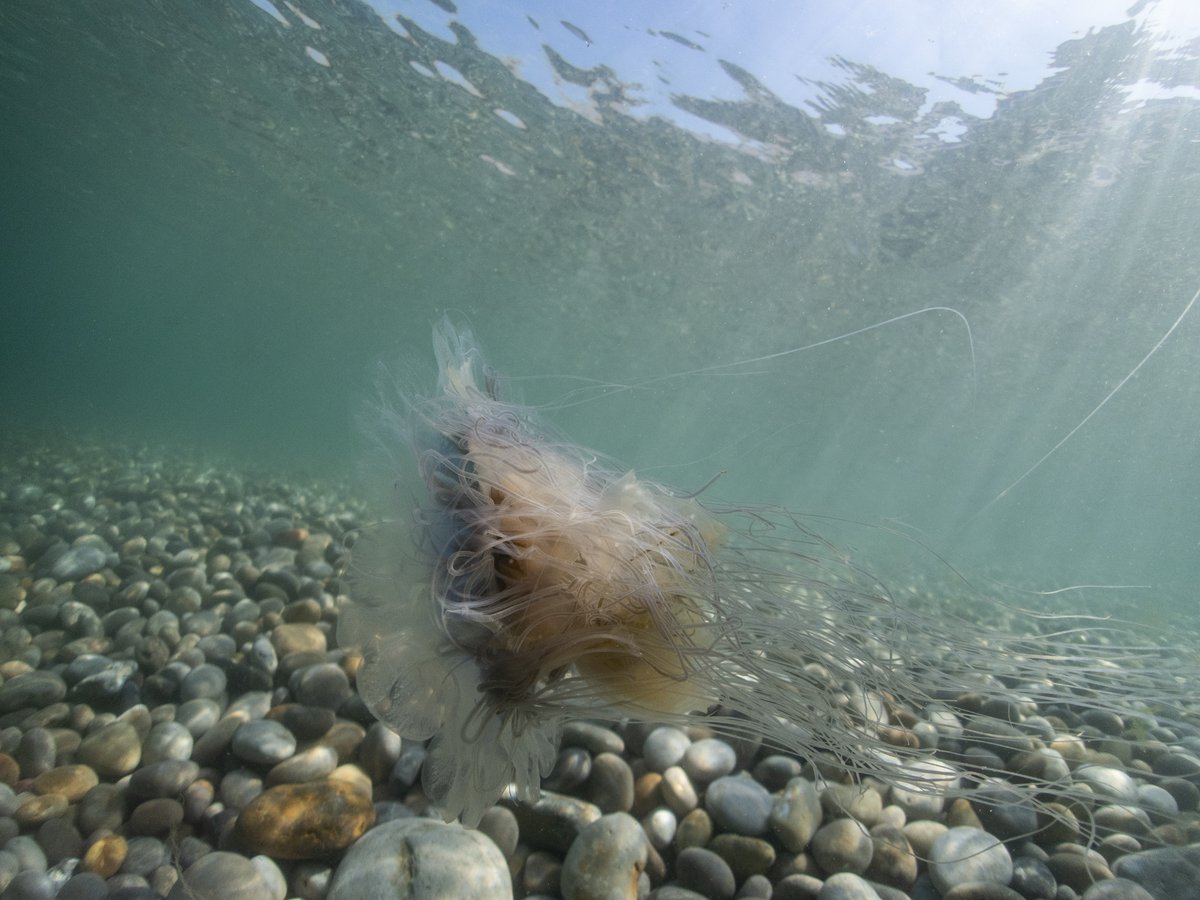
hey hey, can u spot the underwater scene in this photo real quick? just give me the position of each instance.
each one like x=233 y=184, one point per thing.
x=541 y=449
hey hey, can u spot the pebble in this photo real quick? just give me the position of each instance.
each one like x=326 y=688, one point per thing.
x=796 y=814
x=263 y=742
x=739 y=804
x=79 y=562
x=664 y=747
x=553 y=821
x=304 y=821
x=313 y=764
x=596 y=739
x=166 y=778
x=705 y=873
x=606 y=860
x=31 y=689
x=846 y=886
x=205 y=682
x=1117 y=889
x=113 y=751
x=746 y=855
x=967 y=854
x=72 y=782
x=610 y=784
x=677 y=791
x=843 y=845
x=542 y=874
x=222 y=876
x=1163 y=871
x=708 y=759
x=167 y=740
x=421 y=859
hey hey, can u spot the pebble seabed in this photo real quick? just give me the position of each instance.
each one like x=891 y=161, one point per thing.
x=177 y=721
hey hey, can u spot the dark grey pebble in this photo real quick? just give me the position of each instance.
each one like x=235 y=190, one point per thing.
x=664 y=747
x=1118 y=889
x=307 y=765
x=84 y=886
x=1032 y=879
x=59 y=839
x=756 y=887
x=542 y=874
x=198 y=716
x=221 y=876
x=206 y=681
x=36 y=752
x=1164 y=871
x=610 y=785
x=325 y=685
x=307 y=722
x=500 y=825
x=156 y=817
x=31 y=689
x=239 y=787
x=981 y=890
x=967 y=854
x=263 y=742
x=79 y=562
x=571 y=769
x=165 y=778
x=379 y=751
x=553 y=821
x=739 y=804
x=774 y=772
x=706 y=873
x=596 y=739
x=408 y=766
x=30 y=886
x=1006 y=811
x=144 y=855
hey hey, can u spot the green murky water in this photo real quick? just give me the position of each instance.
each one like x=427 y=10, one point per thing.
x=218 y=217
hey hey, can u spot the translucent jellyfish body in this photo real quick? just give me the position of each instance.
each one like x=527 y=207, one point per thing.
x=526 y=581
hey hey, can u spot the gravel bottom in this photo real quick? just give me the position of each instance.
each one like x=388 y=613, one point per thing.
x=176 y=720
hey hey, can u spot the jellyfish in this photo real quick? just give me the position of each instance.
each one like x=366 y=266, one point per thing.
x=524 y=581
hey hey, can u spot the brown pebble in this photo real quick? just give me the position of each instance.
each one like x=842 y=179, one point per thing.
x=297 y=637
x=70 y=781
x=155 y=817
x=646 y=796
x=304 y=821
x=745 y=855
x=106 y=855
x=35 y=810
x=9 y=770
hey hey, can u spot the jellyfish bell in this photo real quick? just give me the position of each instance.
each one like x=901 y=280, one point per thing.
x=524 y=581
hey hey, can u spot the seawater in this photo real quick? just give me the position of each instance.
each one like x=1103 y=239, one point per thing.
x=218 y=217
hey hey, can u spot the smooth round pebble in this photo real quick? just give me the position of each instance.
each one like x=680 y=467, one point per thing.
x=113 y=751
x=708 y=759
x=304 y=821
x=705 y=873
x=610 y=784
x=739 y=804
x=842 y=845
x=263 y=742
x=167 y=740
x=846 y=886
x=967 y=854
x=796 y=814
x=222 y=876
x=421 y=859
x=606 y=859
x=664 y=747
